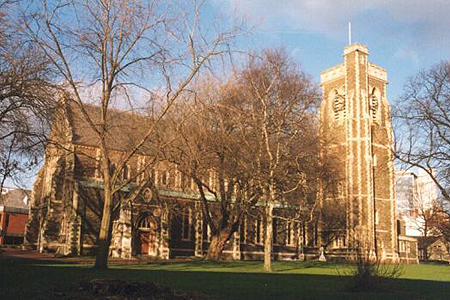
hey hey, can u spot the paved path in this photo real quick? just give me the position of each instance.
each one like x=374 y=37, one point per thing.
x=14 y=253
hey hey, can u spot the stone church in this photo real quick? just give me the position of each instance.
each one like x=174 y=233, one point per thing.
x=163 y=222
x=356 y=131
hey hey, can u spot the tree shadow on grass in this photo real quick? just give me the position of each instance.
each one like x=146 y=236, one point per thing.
x=203 y=265
x=23 y=279
x=245 y=266
x=293 y=266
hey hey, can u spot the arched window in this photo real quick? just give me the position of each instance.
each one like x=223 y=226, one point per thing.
x=145 y=223
x=164 y=178
x=112 y=168
x=98 y=170
x=125 y=172
x=98 y=166
x=374 y=104
x=186 y=224
x=338 y=105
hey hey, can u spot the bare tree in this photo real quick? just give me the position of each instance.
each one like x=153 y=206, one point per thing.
x=427 y=222
x=423 y=130
x=281 y=103
x=255 y=137
x=423 y=125
x=442 y=221
x=211 y=150
x=132 y=51
x=333 y=221
x=26 y=100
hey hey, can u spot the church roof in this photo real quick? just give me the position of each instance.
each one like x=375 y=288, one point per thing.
x=124 y=129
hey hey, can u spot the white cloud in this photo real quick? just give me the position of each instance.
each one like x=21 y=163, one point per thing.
x=407 y=54
x=429 y=18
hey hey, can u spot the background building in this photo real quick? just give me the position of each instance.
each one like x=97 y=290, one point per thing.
x=416 y=193
x=419 y=210
x=14 y=205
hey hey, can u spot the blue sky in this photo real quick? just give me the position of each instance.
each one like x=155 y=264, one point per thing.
x=403 y=36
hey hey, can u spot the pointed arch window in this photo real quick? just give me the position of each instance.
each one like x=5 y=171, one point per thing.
x=145 y=223
x=374 y=104
x=338 y=105
x=186 y=224
x=125 y=172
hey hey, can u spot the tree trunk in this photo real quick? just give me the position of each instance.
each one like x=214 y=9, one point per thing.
x=269 y=236
x=217 y=245
x=101 y=257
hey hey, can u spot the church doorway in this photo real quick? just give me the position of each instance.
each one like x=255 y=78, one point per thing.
x=147 y=235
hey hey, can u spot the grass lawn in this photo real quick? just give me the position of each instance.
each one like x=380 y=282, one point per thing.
x=21 y=279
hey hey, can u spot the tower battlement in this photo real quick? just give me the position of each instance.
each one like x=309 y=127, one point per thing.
x=356 y=47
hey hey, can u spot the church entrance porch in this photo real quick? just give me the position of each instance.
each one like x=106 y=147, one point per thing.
x=147 y=229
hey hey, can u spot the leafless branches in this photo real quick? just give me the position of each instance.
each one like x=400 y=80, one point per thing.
x=281 y=101
x=423 y=129
x=26 y=100
x=126 y=48
x=256 y=134
x=423 y=125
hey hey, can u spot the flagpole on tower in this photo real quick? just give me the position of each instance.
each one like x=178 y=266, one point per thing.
x=349 y=33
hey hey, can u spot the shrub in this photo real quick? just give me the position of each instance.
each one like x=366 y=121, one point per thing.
x=370 y=274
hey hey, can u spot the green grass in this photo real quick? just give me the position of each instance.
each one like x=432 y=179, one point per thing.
x=226 y=280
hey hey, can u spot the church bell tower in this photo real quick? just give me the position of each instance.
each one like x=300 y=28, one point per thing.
x=356 y=130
